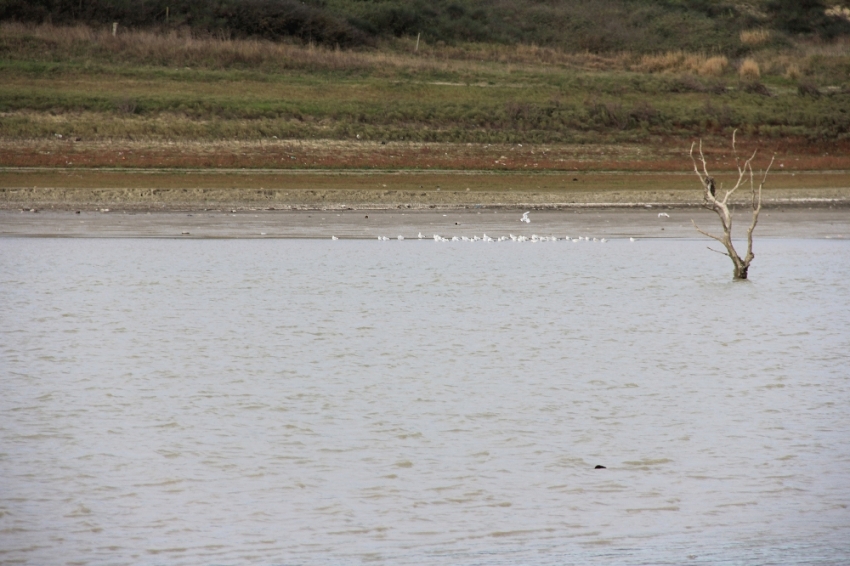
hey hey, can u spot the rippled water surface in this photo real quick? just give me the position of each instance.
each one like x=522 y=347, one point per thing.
x=317 y=402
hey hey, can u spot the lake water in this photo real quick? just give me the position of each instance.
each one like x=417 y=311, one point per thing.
x=316 y=402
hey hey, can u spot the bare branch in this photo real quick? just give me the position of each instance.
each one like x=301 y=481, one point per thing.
x=693 y=159
x=704 y=233
x=735 y=149
x=769 y=165
x=742 y=172
x=708 y=184
x=716 y=251
x=721 y=208
x=756 y=210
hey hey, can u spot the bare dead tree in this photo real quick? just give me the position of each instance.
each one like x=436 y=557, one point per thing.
x=721 y=205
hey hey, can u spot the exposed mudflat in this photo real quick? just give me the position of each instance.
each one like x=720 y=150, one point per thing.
x=643 y=222
x=322 y=174
x=204 y=189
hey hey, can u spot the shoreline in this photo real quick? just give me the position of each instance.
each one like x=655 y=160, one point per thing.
x=33 y=206
x=643 y=222
x=337 y=175
x=228 y=189
x=316 y=175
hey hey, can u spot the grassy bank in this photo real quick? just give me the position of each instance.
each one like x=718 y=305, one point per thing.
x=80 y=82
x=139 y=117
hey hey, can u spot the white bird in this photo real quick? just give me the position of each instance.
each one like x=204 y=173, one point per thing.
x=632 y=240
x=603 y=240
x=437 y=237
x=663 y=215
x=525 y=218
x=401 y=237
x=455 y=239
x=334 y=238
x=420 y=235
x=512 y=237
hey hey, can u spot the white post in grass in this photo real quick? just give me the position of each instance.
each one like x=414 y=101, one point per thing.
x=114 y=29
x=417 y=42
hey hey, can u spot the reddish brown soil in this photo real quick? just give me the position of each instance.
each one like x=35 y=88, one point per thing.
x=319 y=174
x=287 y=155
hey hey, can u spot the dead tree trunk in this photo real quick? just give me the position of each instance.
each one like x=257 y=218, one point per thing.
x=720 y=205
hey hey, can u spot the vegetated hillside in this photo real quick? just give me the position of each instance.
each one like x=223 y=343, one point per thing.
x=78 y=82
x=599 y=26
x=651 y=74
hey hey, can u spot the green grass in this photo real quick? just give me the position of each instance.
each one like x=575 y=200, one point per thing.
x=80 y=83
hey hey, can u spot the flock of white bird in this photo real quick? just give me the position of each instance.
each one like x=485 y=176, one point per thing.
x=485 y=238
x=534 y=237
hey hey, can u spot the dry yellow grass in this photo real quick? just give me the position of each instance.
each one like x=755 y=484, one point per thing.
x=839 y=12
x=682 y=62
x=749 y=70
x=661 y=62
x=714 y=66
x=792 y=63
x=182 y=48
x=754 y=37
x=792 y=72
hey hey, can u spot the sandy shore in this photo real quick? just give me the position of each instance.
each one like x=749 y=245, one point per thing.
x=643 y=222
